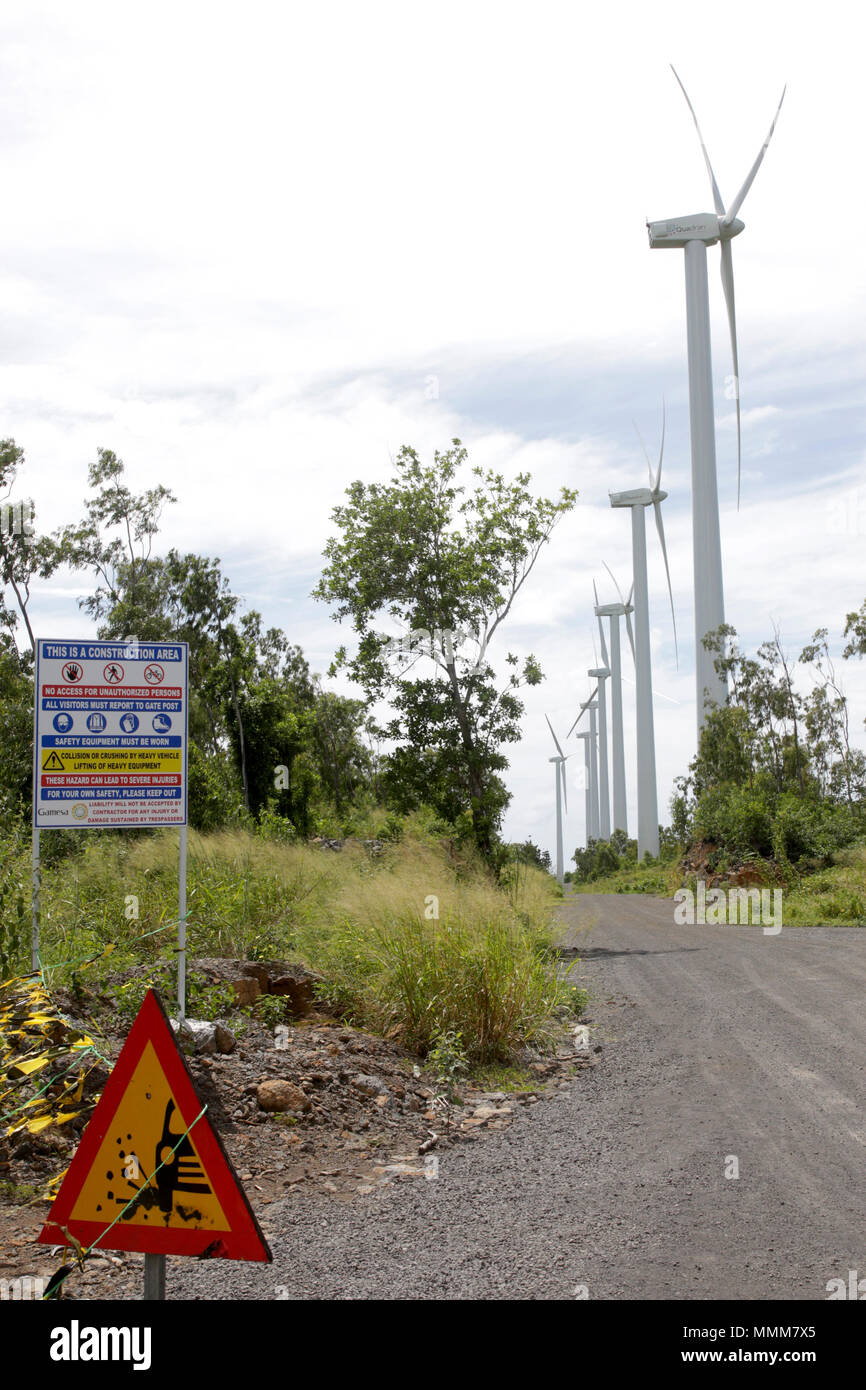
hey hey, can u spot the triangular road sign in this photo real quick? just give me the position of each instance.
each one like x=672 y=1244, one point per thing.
x=150 y=1162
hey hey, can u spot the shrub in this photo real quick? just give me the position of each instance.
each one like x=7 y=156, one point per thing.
x=738 y=818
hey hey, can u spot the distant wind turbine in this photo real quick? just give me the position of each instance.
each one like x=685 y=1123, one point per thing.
x=561 y=796
x=638 y=499
x=694 y=234
x=587 y=768
x=590 y=706
x=613 y=612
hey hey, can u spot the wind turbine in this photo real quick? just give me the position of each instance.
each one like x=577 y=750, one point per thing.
x=601 y=674
x=561 y=796
x=591 y=705
x=638 y=499
x=587 y=767
x=613 y=612
x=694 y=234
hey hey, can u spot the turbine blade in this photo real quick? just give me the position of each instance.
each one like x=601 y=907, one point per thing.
x=645 y=454
x=595 y=593
x=628 y=628
x=555 y=739
x=615 y=585
x=630 y=592
x=661 y=530
x=717 y=197
x=728 y=286
x=738 y=201
x=661 y=450
x=584 y=707
x=604 y=654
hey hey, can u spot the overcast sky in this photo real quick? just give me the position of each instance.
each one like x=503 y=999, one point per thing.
x=255 y=248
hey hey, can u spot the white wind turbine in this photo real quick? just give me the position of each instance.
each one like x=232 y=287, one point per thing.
x=694 y=234
x=613 y=612
x=601 y=674
x=593 y=825
x=587 y=768
x=561 y=796
x=638 y=499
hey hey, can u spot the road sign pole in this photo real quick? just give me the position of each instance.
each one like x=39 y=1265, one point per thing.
x=34 y=924
x=181 y=927
x=154 y=1278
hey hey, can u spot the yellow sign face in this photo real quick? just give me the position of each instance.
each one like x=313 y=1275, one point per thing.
x=142 y=1136
x=114 y=760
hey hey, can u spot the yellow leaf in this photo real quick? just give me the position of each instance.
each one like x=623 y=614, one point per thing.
x=40 y=1123
x=67 y=1115
x=33 y=1064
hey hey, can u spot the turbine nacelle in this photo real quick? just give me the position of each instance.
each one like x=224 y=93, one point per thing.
x=613 y=610
x=637 y=497
x=599 y=672
x=703 y=226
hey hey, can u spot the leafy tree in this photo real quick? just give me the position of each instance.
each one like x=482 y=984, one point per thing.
x=839 y=767
x=413 y=552
x=115 y=541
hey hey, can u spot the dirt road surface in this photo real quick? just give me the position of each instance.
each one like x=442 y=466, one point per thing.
x=723 y=1050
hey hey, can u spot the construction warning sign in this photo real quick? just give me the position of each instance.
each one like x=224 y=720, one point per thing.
x=111 y=733
x=150 y=1173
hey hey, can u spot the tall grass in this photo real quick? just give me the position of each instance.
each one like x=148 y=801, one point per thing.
x=415 y=942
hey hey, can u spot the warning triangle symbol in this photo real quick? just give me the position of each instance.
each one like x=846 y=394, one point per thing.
x=150 y=1172
x=52 y=763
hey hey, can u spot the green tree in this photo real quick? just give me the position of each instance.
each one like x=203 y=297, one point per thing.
x=412 y=552
x=115 y=541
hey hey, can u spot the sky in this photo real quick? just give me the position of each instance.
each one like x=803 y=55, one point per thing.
x=255 y=249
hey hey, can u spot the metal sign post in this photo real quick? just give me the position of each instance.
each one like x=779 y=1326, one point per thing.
x=154 y=1278
x=110 y=749
x=181 y=927
x=34 y=922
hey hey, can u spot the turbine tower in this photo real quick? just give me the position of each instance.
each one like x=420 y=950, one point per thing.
x=561 y=796
x=647 y=795
x=591 y=753
x=587 y=768
x=613 y=612
x=601 y=673
x=694 y=234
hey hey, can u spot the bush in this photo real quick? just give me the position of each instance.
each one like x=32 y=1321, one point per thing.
x=739 y=819
x=487 y=982
x=805 y=829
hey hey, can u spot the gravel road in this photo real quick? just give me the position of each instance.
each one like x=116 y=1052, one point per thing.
x=716 y=1042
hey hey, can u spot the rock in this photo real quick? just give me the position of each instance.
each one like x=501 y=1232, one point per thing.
x=257 y=971
x=296 y=984
x=247 y=990
x=196 y=1035
x=225 y=1038
x=368 y=1085
x=282 y=1096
